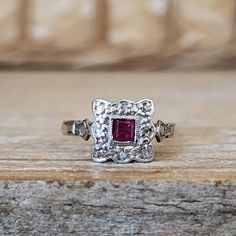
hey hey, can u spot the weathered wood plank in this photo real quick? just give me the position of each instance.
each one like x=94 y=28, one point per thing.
x=49 y=185
x=32 y=106
x=117 y=208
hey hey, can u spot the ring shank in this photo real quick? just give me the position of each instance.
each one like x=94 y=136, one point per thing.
x=68 y=127
x=77 y=127
x=164 y=130
x=171 y=129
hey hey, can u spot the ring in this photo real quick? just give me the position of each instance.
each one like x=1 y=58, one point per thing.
x=122 y=131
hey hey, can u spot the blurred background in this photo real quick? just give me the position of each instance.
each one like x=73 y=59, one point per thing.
x=118 y=34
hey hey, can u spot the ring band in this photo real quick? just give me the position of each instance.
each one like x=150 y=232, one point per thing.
x=122 y=131
x=77 y=127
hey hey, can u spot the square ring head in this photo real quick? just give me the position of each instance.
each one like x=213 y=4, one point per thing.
x=123 y=130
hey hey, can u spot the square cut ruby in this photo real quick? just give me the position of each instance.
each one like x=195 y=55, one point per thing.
x=123 y=130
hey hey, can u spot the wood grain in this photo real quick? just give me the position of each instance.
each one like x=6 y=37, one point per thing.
x=117 y=208
x=34 y=104
x=49 y=185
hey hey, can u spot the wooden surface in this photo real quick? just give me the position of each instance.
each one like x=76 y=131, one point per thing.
x=33 y=105
x=117 y=208
x=49 y=185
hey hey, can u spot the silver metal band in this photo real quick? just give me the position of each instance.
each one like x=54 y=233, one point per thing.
x=82 y=128
x=164 y=130
x=77 y=127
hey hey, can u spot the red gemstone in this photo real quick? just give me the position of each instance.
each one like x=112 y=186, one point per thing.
x=123 y=130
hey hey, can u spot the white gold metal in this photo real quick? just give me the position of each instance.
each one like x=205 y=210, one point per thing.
x=77 y=127
x=164 y=130
x=105 y=147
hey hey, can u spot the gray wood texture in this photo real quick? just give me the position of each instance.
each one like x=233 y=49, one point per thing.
x=49 y=185
x=117 y=208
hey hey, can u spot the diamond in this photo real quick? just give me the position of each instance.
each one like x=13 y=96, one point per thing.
x=123 y=130
x=99 y=107
x=147 y=151
x=99 y=133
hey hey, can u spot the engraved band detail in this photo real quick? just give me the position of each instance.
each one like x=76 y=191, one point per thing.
x=77 y=127
x=164 y=130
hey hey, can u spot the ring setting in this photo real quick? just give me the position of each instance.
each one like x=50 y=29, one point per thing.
x=122 y=131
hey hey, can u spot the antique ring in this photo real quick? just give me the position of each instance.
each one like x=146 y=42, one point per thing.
x=122 y=131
